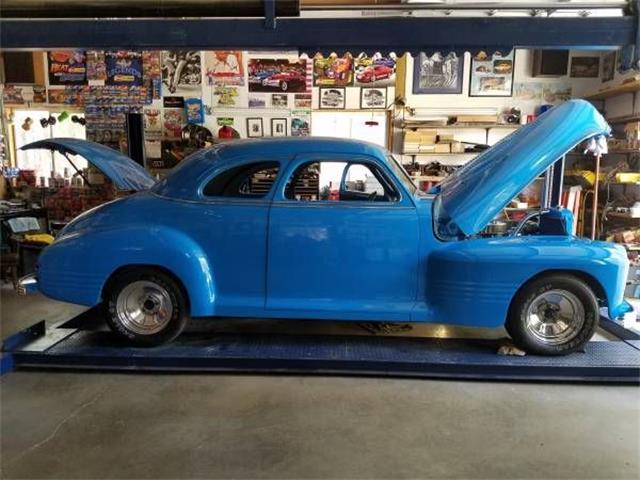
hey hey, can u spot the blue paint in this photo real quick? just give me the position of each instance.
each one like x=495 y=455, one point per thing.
x=355 y=260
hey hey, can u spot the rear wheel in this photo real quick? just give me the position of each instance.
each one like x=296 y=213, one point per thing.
x=553 y=315
x=147 y=307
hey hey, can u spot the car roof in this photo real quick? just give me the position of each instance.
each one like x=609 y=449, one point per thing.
x=185 y=179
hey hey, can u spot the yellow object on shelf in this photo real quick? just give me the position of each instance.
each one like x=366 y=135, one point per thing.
x=628 y=177
x=588 y=175
x=43 y=238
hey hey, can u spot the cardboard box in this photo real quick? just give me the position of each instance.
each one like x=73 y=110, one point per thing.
x=477 y=119
x=457 y=147
x=443 y=148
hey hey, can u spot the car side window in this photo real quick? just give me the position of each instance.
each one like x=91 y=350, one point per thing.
x=339 y=181
x=250 y=180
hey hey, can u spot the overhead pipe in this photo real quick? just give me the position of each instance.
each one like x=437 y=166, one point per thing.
x=490 y=6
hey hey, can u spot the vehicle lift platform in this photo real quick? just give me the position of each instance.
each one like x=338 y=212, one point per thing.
x=321 y=348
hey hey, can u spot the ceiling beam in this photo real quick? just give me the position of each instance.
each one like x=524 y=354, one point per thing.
x=308 y=34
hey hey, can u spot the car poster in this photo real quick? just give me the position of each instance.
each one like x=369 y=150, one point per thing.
x=300 y=123
x=224 y=67
x=172 y=123
x=492 y=75
x=67 y=67
x=278 y=75
x=181 y=73
x=333 y=70
x=375 y=71
x=152 y=118
x=124 y=68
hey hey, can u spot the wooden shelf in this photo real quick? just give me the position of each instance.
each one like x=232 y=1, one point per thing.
x=622 y=215
x=434 y=154
x=624 y=119
x=428 y=178
x=629 y=87
x=479 y=126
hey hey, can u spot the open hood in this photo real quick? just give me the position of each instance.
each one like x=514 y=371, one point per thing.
x=123 y=172
x=470 y=198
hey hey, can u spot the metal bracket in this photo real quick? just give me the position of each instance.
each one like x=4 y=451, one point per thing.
x=270 y=14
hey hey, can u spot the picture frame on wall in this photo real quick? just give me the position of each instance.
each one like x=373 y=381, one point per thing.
x=255 y=127
x=492 y=75
x=608 y=66
x=279 y=127
x=584 y=67
x=373 y=98
x=332 y=98
x=438 y=73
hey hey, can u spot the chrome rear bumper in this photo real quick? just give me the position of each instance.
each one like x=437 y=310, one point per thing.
x=27 y=284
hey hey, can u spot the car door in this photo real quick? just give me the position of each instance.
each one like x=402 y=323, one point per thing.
x=231 y=224
x=336 y=250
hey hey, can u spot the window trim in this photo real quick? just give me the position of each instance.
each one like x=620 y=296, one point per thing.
x=234 y=164
x=368 y=161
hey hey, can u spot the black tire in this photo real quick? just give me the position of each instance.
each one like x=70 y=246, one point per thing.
x=528 y=341
x=284 y=86
x=173 y=323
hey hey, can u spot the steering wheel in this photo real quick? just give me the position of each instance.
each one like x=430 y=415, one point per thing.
x=372 y=196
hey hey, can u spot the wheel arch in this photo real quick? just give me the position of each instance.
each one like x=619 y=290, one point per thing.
x=593 y=283
x=108 y=284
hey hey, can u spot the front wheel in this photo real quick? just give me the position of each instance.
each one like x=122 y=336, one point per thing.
x=147 y=307
x=553 y=315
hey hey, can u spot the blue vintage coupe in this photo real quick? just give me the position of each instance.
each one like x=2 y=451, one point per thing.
x=335 y=229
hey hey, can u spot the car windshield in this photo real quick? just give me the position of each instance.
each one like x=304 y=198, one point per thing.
x=402 y=174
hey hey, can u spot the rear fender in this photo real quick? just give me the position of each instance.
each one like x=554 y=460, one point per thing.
x=77 y=267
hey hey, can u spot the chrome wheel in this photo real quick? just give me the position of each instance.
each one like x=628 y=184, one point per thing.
x=144 y=307
x=555 y=316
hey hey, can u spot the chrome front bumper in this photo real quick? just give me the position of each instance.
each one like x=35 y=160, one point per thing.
x=27 y=284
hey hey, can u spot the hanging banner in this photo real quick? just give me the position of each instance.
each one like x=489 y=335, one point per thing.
x=67 y=67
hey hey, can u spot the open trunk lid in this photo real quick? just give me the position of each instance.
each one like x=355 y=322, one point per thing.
x=471 y=197
x=123 y=172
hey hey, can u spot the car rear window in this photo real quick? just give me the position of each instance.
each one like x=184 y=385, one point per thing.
x=249 y=180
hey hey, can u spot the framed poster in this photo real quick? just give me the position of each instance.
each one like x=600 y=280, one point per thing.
x=373 y=98
x=608 y=66
x=438 y=74
x=278 y=127
x=332 y=98
x=67 y=67
x=584 y=67
x=254 y=127
x=181 y=72
x=492 y=75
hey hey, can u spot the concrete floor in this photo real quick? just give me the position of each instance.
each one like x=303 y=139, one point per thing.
x=104 y=425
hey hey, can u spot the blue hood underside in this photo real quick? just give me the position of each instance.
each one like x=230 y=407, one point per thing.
x=121 y=170
x=470 y=198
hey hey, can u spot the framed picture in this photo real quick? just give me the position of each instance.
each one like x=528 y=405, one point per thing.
x=254 y=128
x=332 y=98
x=492 y=75
x=585 y=67
x=608 y=66
x=438 y=73
x=373 y=98
x=279 y=127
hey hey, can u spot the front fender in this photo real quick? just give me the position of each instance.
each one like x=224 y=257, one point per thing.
x=76 y=268
x=473 y=282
